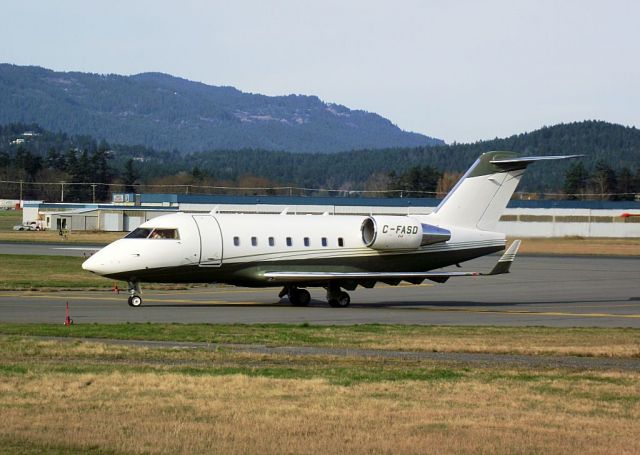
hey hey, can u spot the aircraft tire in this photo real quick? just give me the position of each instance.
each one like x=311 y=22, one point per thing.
x=342 y=301
x=135 y=301
x=299 y=297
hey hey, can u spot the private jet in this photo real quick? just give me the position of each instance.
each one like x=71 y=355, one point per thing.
x=335 y=252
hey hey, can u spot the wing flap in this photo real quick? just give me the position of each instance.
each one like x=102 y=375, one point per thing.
x=502 y=266
x=378 y=276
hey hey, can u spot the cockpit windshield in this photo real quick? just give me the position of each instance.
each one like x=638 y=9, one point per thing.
x=165 y=233
x=138 y=233
x=154 y=233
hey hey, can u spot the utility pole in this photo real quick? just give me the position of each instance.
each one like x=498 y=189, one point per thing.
x=20 y=192
x=93 y=191
x=61 y=191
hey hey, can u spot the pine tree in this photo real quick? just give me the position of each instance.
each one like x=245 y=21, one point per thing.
x=575 y=180
x=626 y=184
x=131 y=175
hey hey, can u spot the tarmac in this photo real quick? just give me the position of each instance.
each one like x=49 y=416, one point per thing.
x=554 y=291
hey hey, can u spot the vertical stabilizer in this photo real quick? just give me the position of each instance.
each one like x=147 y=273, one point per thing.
x=479 y=198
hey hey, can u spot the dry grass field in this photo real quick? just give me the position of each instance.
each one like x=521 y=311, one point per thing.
x=586 y=342
x=91 y=398
x=582 y=246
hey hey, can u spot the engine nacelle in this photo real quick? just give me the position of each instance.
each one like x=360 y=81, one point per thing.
x=400 y=232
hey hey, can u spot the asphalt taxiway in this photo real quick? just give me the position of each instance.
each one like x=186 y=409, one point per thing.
x=49 y=249
x=556 y=291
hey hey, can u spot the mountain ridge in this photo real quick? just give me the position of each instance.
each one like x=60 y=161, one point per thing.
x=166 y=112
x=597 y=140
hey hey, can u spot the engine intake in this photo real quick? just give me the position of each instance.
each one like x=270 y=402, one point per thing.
x=400 y=232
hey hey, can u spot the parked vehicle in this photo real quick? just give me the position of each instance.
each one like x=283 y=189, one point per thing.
x=27 y=226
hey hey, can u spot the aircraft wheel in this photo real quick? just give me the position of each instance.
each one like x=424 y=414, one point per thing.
x=135 y=301
x=342 y=301
x=299 y=297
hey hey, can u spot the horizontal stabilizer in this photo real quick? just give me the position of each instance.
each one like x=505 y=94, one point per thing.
x=513 y=164
x=505 y=261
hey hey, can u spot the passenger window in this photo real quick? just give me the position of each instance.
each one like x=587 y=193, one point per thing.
x=324 y=241
x=289 y=242
x=306 y=241
x=138 y=233
x=340 y=241
x=272 y=241
x=165 y=234
x=236 y=241
x=254 y=241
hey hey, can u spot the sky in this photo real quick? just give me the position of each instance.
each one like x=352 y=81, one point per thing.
x=457 y=70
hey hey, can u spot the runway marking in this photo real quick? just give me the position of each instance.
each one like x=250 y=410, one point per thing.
x=121 y=299
x=597 y=305
x=536 y=313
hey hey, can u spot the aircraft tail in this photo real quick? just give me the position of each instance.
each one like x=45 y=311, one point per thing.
x=479 y=198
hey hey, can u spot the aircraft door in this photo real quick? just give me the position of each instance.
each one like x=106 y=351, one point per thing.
x=210 y=241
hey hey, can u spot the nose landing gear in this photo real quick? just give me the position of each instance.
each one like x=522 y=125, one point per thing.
x=134 y=294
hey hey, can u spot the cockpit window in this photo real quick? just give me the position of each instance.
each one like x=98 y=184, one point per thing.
x=138 y=233
x=164 y=233
x=151 y=233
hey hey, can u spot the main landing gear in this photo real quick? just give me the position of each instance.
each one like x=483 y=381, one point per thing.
x=297 y=297
x=337 y=298
x=301 y=297
x=134 y=294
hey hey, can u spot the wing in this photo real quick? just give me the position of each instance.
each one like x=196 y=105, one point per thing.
x=503 y=266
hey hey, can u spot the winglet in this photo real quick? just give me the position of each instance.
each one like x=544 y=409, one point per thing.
x=505 y=261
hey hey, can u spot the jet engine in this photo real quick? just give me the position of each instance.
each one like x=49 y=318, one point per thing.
x=400 y=232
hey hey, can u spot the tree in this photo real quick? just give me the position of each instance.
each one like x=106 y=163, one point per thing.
x=55 y=160
x=101 y=172
x=604 y=180
x=131 y=175
x=197 y=174
x=447 y=182
x=626 y=184
x=26 y=161
x=419 y=181
x=575 y=180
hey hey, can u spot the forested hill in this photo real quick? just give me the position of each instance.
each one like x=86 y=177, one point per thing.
x=169 y=113
x=616 y=145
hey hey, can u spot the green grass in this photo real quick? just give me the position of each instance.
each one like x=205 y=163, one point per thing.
x=30 y=271
x=28 y=357
x=21 y=447
x=9 y=218
x=354 y=336
x=21 y=357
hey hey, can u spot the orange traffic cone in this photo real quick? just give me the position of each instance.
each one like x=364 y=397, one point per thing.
x=67 y=319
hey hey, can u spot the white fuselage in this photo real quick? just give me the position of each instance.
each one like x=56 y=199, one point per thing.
x=214 y=247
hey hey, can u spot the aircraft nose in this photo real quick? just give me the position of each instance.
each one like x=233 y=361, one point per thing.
x=94 y=264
